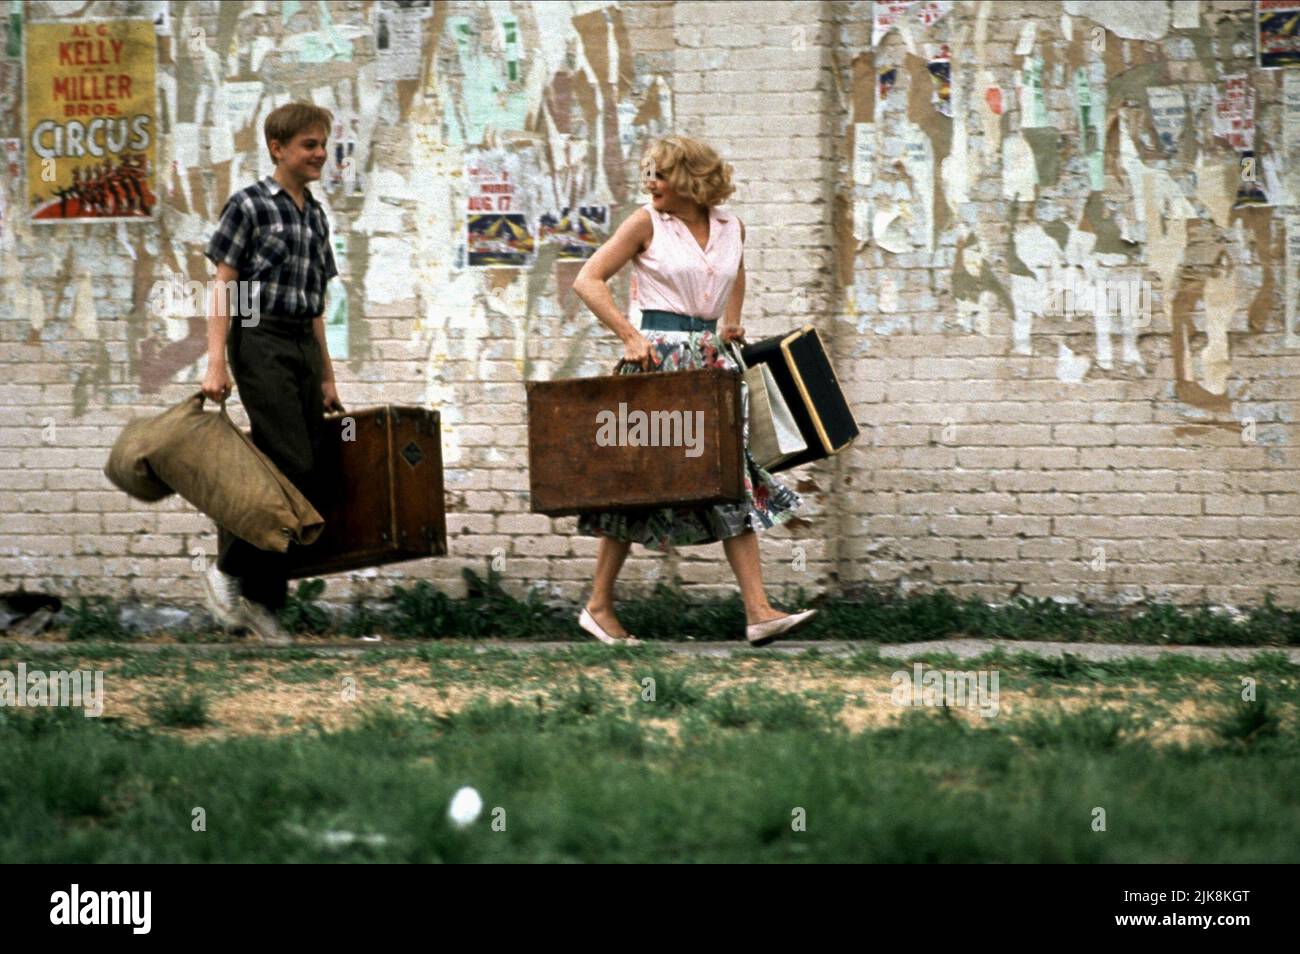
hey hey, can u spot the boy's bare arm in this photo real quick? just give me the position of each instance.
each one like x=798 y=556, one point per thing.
x=329 y=392
x=216 y=382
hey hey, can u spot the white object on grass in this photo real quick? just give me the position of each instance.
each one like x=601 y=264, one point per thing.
x=465 y=807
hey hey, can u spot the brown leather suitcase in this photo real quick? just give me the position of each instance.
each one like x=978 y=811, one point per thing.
x=386 y=504
x=630 y=441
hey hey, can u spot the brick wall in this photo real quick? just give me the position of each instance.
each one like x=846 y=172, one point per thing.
x=1004 y=449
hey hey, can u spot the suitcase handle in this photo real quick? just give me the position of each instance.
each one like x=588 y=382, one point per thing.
x=625 y=363
x=201 y=397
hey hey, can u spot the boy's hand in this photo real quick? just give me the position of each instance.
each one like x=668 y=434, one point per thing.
x=216 y=383
x=331 y=395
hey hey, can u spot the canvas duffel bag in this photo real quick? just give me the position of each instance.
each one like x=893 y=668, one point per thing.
x=212 y=463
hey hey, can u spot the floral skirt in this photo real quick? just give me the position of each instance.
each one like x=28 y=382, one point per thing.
x=767 y=502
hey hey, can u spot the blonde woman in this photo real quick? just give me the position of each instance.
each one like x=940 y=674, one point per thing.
x=689 y=282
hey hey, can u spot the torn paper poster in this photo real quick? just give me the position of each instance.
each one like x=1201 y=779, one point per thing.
x=390 y=277
x=890 y=232
x=1291 y=135
x=497 y=231
x=1187 y=14
x=399 y=41
x=892 y=13
x=1083 y=109
x=262 y=45
x=940 y=66
x=239 y=103
x=887 y=79
x=12 y=151
x=14 y=43
x=1019 y=171
x=576 y=233
x=107 y=168
x=1277 y=33
x=1250 y=182
x=885 y=16
x=218 y=142
x=1025 y=44
x=993 y=97
x=918 y=153
x=1291 y=285
x=1070 y=368
x=488 y=99
x=864 y=159
x=932 y=11
x=1124 y=18
x=336 y=301
x=1234 y=111
x=340 y=171
x=1092 y=90
x=1168 y=115
x=1033 y=108
x=162 y=24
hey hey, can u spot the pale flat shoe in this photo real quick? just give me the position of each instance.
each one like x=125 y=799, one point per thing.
x=588 y=622
x=760 y=634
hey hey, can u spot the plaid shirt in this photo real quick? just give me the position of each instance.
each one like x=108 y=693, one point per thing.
x=266 y=239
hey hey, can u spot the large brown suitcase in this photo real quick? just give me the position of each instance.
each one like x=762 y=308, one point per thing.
x=626 y=442
x=383 y=501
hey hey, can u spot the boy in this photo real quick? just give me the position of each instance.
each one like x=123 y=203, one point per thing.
x=273 y=234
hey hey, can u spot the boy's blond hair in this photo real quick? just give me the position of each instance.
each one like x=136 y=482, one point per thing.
x=691 y=167
x=285 y=122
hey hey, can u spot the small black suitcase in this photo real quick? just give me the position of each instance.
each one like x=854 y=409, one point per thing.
x=803 y=371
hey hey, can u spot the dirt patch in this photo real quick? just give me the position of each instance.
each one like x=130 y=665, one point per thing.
x=266 y=696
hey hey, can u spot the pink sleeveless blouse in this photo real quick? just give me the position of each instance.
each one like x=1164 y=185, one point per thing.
x=675 y=274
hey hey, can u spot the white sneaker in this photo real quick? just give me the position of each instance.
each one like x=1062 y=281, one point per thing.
x=264 y=622
x=760 y=634
x=222 y=592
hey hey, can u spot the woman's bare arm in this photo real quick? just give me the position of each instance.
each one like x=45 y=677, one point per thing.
x=731 y=317
x=628 y=240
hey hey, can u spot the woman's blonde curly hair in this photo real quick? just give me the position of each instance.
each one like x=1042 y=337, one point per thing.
x=690 y=167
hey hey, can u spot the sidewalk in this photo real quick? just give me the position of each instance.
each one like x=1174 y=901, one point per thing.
x=961 y=648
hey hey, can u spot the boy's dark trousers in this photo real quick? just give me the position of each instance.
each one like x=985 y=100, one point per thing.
x=276 y=363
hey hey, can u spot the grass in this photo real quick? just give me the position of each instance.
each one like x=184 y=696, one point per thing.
x=180 y=708
x=577 y=781
x=96 y=617
x=421 y=611
x=583 y=767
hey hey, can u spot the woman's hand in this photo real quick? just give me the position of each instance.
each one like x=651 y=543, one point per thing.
x=732 y=333
x=638 y=351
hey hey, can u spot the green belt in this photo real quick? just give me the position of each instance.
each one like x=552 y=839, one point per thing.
x=653 y=319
